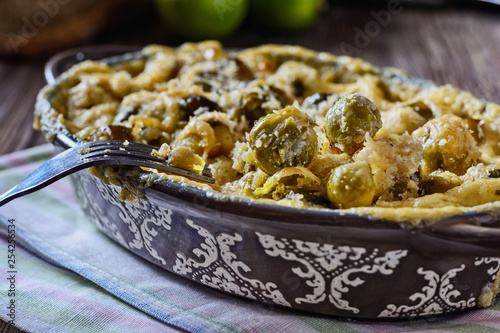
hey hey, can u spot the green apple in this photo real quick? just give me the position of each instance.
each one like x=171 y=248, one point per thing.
x=202 y=19
x=284 y=15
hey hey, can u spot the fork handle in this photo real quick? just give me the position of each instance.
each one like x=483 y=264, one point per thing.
x=46 y=174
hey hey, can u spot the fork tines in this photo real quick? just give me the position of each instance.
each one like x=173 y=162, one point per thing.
x=141 y=153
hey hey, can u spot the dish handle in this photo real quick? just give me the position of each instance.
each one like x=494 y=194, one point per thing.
x=63 y=61
x=481 y=229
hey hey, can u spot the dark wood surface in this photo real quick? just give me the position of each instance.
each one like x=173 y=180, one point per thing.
x=457 y=45
x=448 y=44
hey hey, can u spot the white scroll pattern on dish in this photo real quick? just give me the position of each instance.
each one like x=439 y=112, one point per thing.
x=319 y=262
x=440 y=294
x=218 y=268
x=493 y=270
x=436 y=297
x=94 y=211
x=321 y=265
x=142 y=218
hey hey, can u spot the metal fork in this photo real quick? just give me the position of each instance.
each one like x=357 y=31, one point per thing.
x=95 y=153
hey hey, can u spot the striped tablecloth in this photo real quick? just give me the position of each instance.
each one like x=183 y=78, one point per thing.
x=67 y=276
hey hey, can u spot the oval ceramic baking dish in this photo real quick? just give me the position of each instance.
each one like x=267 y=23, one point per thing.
x=322 y=261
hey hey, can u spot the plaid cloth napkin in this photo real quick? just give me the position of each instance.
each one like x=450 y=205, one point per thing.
x=67 y=276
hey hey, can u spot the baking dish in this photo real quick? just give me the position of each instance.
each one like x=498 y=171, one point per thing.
x=321 y=261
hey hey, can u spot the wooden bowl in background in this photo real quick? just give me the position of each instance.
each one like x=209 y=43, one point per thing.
x=40 y=28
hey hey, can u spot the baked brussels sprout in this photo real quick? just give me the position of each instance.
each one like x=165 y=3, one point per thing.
x=290 y=179
x=189 y=104
x=351 y=185
x=261 y=100
x=448 y=145
x=348 y=121
x=282 y=139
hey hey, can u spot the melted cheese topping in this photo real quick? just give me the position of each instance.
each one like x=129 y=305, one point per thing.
x=436 y=154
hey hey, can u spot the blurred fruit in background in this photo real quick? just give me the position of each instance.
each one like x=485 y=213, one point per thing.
x=216 y=19
x=284 y=15
x=43 y=27
x=202 y=19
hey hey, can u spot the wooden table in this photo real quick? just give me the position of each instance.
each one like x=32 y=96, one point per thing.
x=453 y=45
x=457 y=45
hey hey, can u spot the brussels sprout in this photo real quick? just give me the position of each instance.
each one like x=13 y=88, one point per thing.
x=448 y=145
x=125 y=112
x=298 y=88
x=290 y=179
x=348 y=121
x=189 y=104
x=282 y=139
x=154 y=136
x=438 y=182
x=422 y=109
x=253 y=105
x=351 y=185
x=243 y=72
